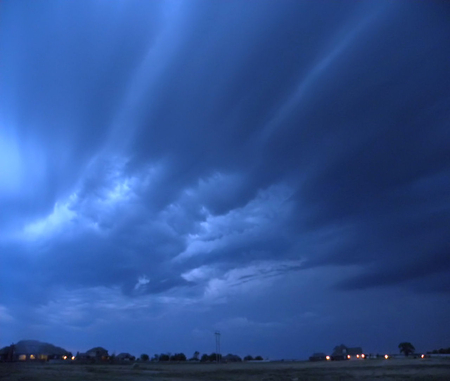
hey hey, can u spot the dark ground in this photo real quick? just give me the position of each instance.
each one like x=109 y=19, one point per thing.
x=396 y=369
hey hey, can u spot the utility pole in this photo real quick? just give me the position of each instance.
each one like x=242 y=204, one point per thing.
x=217 y=334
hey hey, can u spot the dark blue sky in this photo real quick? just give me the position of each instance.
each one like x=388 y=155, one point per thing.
x=278 y=171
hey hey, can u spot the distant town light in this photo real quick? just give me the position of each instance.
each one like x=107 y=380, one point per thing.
x=348 y=356
x=363 y=355
x=328 y=358
x=357 y=356
x=73 y=357
x=386 y=357
x=423 y=356
x=64 y=357
x=32 y=357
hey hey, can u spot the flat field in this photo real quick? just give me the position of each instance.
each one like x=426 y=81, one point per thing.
x=407 y=369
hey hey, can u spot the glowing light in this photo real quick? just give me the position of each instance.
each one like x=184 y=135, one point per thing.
x=357 y=356
x=328 y=358
x=348 y=356
x=73 y=357
x=32 y=357
x=423 y=356
x=386 y=357
x=363 y=356
x=64 y=357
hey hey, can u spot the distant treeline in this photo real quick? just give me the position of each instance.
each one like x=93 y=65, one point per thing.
x=213 y=357
x=441 y=351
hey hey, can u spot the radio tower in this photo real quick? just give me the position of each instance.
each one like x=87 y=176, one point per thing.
x=218 y=357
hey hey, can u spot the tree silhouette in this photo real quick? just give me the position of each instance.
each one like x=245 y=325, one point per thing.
x=144 y=357
x=178 y=357
x=164 y=357
x=406 y=348
x=213 y=357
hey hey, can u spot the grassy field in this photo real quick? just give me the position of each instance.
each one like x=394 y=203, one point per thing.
x=407 y=369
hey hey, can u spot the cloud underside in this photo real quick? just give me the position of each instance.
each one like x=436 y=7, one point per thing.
x=172 y=155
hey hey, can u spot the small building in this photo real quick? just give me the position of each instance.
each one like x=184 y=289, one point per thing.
x=355 y=353
x=342 y=352
x=98 y=353
x=125 y=357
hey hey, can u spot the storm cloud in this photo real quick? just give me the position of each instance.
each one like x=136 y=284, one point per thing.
x=270 y=170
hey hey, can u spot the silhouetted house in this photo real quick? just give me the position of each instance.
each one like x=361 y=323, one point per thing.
x=341 y=352
x=318 y=357
x=125 y=357
x=355 y=352
x=33 y=350
x=98 y=353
